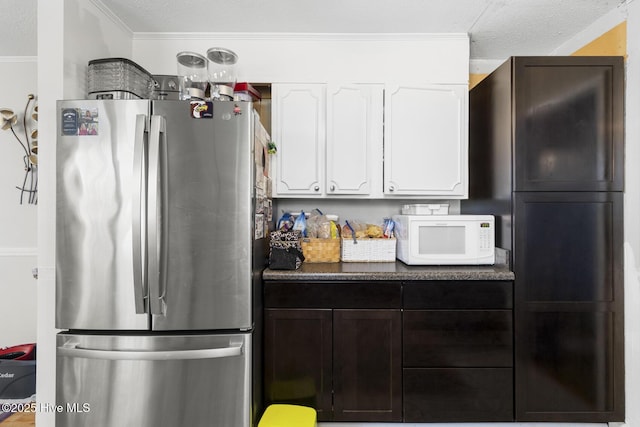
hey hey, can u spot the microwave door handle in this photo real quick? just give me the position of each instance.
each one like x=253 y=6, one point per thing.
x=139 y=187
x=154 y=215
x=234 y=349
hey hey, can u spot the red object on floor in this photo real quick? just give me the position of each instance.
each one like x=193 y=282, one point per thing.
x=19 y=352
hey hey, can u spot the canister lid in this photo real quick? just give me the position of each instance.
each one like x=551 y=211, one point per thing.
x=192 y=60
x=116 y=61
x=220 y=55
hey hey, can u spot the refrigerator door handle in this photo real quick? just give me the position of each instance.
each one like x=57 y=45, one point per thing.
x=154 y=216
x=139 y=207
x=71 y=350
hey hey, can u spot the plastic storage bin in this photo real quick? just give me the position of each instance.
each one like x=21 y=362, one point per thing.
x=17 y=379
x=282 y=415
x=426 y=209
x=118 y=75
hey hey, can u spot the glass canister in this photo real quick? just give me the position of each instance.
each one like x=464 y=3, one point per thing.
x=192 y=75
x=222 y=72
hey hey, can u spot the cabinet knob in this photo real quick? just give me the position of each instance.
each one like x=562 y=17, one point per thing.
x=392 y=188
x=333 y=188
x=316 y=188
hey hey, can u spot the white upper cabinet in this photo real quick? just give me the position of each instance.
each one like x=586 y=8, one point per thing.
x=426 y=141
x=329 y=139
x=370 y=141
x=298 y=130
x=354 y=139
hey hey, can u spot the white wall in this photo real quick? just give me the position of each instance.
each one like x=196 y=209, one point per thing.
x=50 y=82
x=632 y=218
x=279 y=58
x=18 y=222
x=89 y=33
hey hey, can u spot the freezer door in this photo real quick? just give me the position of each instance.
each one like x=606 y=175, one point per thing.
x=153 y=381
x=100 y=184
x=201 y=216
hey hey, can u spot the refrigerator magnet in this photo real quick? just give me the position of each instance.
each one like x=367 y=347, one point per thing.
x=88 y=118
x=79 y=121
x=69 y=118
x=201 y=109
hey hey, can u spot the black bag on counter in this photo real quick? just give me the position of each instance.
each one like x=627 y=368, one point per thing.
x=285 y=251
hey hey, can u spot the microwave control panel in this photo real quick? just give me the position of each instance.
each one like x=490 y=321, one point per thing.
x=486 y=236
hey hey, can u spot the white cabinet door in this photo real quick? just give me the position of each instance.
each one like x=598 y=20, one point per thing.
x=354 y=139
x=299 y=133
x=426 y=141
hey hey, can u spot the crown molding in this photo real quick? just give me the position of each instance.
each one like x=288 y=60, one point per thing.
x=300 y=36
x=111 y=16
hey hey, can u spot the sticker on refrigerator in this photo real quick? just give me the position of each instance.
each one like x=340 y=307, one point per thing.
x=69 y=121
x=201 y=109
x=79 y=121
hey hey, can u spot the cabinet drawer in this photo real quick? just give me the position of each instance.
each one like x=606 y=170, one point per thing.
x=457 y=338
x=458 y=394
x=332 y=294
x=458 y=294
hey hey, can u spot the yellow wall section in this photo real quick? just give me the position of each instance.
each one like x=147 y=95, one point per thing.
x=611 y=43
x=474 y=79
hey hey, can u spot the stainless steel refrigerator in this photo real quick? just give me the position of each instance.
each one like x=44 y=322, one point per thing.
x=162 y=213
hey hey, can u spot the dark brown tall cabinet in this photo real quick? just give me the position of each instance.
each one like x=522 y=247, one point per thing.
x=546 y=157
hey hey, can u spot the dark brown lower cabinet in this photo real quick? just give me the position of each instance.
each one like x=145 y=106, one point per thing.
x=458 y=351
x=367 y=370
x=428 y=351
x=344 y=363
x=336 y=347
x=298 y=357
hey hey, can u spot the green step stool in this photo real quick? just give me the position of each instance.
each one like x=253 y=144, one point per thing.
x=282 y=415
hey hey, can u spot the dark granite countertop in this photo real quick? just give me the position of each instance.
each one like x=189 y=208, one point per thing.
x=389 y=271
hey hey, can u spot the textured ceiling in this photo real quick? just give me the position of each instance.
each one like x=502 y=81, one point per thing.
x=498 y=28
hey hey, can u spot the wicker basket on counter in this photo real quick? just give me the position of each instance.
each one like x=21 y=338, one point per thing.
x=368 y=250
x=320 y=250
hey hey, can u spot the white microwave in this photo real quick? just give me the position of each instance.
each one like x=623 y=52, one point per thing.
x=445 y=239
